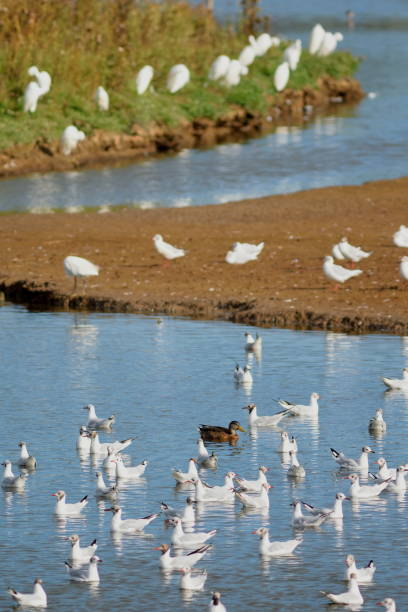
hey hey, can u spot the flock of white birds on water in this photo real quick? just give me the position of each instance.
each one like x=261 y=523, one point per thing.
x=189 y=545
x=224 y=69
x=243 y=252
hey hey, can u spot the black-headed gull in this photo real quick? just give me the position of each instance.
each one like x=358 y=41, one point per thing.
x=187 y=514
x=102 y=490
x=400 y=238
x=36 y=599
x=400 y=484
x=215 y=605
x=128 y=525
x=183 y=477
x=256 y=420
x=347 y=463
x=243 y=375
x=384 y=472
x=287 y=444
x=98 y=447
x=358 y=491
x=205 y=493
x=352 y=597
x=242 y=252
x=299 y=521
x=397 y=383
x=26 y=460
x=80 y=554
x=192 y=583
x=260 y=500
x=95 y=422
x=253 y=485
x=295 y=470
x=354 y=254
x=167 y=250
x=205 y=460
x=277 y=548
x=301 y=410
x=84 y=574
x=253 y=344
x=388 y=603
x=168 y=563
x=363 y=574
x=83 y=442
x=132 y=471
x=10 y=481
x=377 y=424
x=336 y=512
x=63 y=509
x=180 y=539
x=337 y=273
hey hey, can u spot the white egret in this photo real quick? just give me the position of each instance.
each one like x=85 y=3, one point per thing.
x=70 y=138
x=281 y=76
x=233 y=74
x=102 y=98
x=32 y=93
x=143 y=79
x=247 y=56
x=219 y=67
x=43 y=78
x=177 y=78
x=329 y=43
x=316 y=38
x=292 y=54
x=79 y=267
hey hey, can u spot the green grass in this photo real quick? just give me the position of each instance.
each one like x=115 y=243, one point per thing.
x=86 y=44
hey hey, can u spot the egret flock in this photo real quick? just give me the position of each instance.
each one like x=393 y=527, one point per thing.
x=228 y=71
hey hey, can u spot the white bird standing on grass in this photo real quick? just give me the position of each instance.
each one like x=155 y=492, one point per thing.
x=98 y=423
x=143 y=79
x=177 y=78
x=277 y=548
x=102 y=98
x=78 y=267
x=219 y=68
x=329 y=43
x=43 y=78
x=337 y=273
x=36 y=599
x=70 y=138
x=32 y=94
x=316 y=38
x=281 y=76
x=233 y=75
x=292 y=54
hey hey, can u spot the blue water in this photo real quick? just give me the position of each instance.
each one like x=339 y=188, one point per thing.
x=348 y=147
x=162 y=377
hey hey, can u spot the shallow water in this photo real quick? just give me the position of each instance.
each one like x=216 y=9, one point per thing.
x=347 y=147
x=162 y=377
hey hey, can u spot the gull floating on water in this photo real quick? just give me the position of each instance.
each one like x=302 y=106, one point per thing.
x=36 y=599
x=352 y=597
x=277 y=548
x=168 y=563
x=85 y=574
x=388 y=603
x=206 y=492
x=128 y=525
x=183 y=477
x=336 y=512
x=10 y=481
x=63 y=509
x=400 y=238
x=377 y=423
x=98 y=447
x=295 y=470
x=301 y=410
x=26 y=460
x=215 y=604
x=96 y=423
x=253 y=344
x=204 y=459
x=253 y=485
x=358 y=491
x=363 y=574
x=337 y=273
x=260 y=500
x=351 y=464
x=242 y=252
x=187 y=515
x=104 y=491
x=256 y=420
x=81 y=554
x=181 y=539
x=243 y=375
x=167 y=250
x=192 y=583
x=384 y=472
x=299 y=521
x=286 y=444
x=398 y=383
x=132 y=471
x=83 y=442
x=400 y=484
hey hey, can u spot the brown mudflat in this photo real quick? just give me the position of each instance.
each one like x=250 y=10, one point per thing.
x=285 y=287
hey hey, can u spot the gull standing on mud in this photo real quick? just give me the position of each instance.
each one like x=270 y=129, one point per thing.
x=242 y=252
x=355 y=254
x=337 y=273
x=168 y=251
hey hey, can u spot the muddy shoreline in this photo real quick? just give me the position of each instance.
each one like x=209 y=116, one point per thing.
x=100 y=148
x=284 y=288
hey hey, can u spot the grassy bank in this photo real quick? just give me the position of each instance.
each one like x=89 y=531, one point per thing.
x=86 y=44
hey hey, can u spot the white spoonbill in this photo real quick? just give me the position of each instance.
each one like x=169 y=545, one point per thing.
x=143 y=79
x=78 y=267
x=277 y=548
x=36 y=599
x=70 y=138
x=102 y=98
x=177 y=78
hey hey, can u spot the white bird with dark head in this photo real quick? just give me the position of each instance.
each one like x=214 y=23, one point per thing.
x=26 y=460
x=10 y=481
x=85 y=574
x=63 y=509
x=78 y=267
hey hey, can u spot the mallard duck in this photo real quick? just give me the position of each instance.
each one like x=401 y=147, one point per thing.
x=214 y=433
